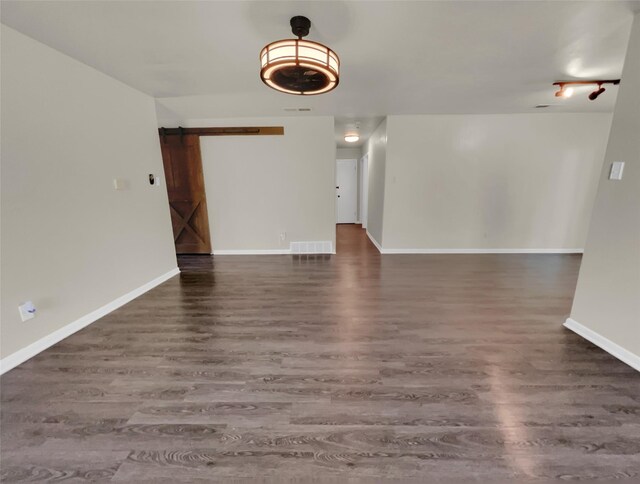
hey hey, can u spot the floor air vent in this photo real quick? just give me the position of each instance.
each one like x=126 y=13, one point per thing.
x=319 y=247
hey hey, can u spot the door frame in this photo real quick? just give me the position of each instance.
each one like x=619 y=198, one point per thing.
x=363 y=201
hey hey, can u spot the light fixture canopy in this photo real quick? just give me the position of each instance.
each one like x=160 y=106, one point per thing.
x=297 y=66
x=565 y=90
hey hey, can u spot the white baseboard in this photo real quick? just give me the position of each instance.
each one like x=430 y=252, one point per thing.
x=265 y=252
x=481 y=251
x=472 y=251
x=253 y=252
x=600 y=341
x=42 y=344
x=375 y=242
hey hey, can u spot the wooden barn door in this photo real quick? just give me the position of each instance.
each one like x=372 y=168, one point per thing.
x=187 y=199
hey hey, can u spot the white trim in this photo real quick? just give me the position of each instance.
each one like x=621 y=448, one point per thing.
x=375 y=242
x=253 y=252
x=363 y=201
x=600 y=341
x=481 y=251
x=42 y=344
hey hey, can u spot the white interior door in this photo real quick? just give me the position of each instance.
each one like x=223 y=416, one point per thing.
x=346 y=191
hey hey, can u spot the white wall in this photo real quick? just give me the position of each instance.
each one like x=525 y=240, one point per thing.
x=348 y=153
x=377 y=149
x=70 y=242
x=520 y=181
x=261 y=186
x=607 y=301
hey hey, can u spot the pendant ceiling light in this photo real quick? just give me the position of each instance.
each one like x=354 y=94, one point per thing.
x=298 y=66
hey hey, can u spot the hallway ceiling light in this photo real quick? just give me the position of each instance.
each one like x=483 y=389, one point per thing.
x=351 y=138
x=297 y=66
x=352 y=134
x=566 y=92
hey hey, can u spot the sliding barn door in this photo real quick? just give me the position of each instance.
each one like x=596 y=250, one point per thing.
x=187 y=199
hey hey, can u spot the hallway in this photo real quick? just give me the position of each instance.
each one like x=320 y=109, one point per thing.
x=351 y=239
x=358 y=365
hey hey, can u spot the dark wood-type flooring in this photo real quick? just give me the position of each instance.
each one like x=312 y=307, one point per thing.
x=348 y=368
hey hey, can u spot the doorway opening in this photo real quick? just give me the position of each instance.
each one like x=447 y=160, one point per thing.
x=352 y=182
x=182 y=161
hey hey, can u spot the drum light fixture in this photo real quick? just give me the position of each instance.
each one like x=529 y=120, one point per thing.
x=297 y=66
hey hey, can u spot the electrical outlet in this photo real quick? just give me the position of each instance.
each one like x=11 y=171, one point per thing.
x=27 y=311
x=283 y=236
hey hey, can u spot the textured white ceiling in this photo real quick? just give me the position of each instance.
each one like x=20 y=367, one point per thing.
x=201 y=58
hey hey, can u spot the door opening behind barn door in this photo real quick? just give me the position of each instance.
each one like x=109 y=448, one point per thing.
x=182 y=161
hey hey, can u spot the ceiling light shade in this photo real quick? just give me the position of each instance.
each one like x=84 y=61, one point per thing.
x=297 y=66
x=352 y=134
x=351 y=137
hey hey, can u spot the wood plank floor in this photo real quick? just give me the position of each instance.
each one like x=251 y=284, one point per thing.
x=348 y=368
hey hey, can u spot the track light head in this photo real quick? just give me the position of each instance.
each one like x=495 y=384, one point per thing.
x=594 y=95
x=564 y=92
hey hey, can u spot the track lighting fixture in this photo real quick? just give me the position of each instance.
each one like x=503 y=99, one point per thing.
x=565 y=90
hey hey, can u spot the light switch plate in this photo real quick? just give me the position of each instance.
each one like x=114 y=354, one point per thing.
x=617 y=168
x=120 y=184
x=27 y=311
